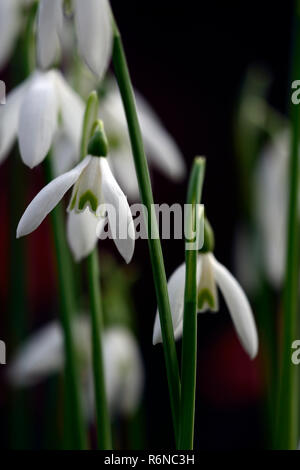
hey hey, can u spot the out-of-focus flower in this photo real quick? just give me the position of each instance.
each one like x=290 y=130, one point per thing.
x=35 y=111
x=93 y=31
x=94 y=187
x=10 y=25
x=43 y=354
x=271 y=204
x=160 y=146
x=211 y=273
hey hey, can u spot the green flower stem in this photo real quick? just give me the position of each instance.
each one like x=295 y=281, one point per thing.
x=103 y=422
x=160 y=281
x=67 y=306
x=102 y=415
x=288 y=415
x=189 y=339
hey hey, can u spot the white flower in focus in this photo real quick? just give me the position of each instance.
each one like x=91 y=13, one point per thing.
x=43 y=355
x=35 y=112
x=94 y=189
x=93 y=32
x=210 y=274
x=160 y=146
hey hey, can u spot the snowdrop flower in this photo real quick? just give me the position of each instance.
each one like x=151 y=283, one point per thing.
x=10 y=25
x=95 y=189
x=160 y=146
x=93 y=31
x=271 y=203
x=35 y=111
x=210 y=274
x=43 y=355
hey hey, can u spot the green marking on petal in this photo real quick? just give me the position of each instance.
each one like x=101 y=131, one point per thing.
x=88 y=198
x=206 y=297
x=73 y=202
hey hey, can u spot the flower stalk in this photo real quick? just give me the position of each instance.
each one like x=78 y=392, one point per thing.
x=189 y=341
x=159 y=275
x=67 y=306
x=102 y=415
x=288 y=415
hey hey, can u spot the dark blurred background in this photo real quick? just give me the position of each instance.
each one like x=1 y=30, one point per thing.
x=189 y=59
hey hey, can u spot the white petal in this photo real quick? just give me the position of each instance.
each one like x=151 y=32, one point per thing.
x=160 y=145
x=271 y=205
x=64 y=154
x=238 y=306
x=42 y=355
x=10 y=21
x=87 y=191
x=9 y=116
x=82 y=233
x=47 y=199
x=206 y=285
x=176 y=285
x=38 y=120
x=124 y=374
x=94 y=33
x=121 y=225
x=50 y=20
x=72 y=110
x=122 y=165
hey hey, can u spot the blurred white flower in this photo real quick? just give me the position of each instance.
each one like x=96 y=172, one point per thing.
x=94 y=186
x=35 y=111
x=210 y=274
x=271 y=205
x=43 y=355
x=10 y=25
x=160 y=146
x=93 y=32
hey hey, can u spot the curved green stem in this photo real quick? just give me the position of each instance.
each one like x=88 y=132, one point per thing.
x=189 y=339
x=103 y=423
x=67 y=307
x=159 y=275
x=288 y=416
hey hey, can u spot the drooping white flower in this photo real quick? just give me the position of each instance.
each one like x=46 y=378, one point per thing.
x=93 y=32
x=10 y=25
x=210 y=274
x=271 y=205
x=160 y=146
x=35 y=111
x=95 y=188
x=43 y=355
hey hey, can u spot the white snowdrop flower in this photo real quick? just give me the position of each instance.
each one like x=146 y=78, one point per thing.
x=271 y=205
x=160 y=146
x=35 y=111
x=124 y=373
x=93 y=27
x=10 y=25
x=95 y=189
x=43 y=355
x=210 y=275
